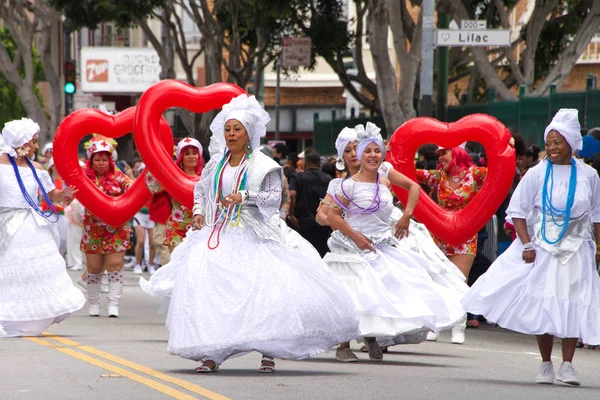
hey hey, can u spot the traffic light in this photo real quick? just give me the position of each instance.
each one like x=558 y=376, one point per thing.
x=69 y=71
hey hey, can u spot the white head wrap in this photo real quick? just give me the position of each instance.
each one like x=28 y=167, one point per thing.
x=47 y=147
x=16 y=133
x=249 y=112
x=188 y=141
x=566 y=122
x=347 y=135
x=368 y=134
x=98 y=146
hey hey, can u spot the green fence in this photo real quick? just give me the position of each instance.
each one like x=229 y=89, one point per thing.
x=528 y=116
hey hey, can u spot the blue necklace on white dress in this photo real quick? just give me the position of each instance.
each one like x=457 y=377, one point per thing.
x=47 y=214
x=548 y=208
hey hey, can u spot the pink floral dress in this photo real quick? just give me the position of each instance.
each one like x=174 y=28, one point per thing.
x=454 y=200
x=99 y=237
x=180 y=220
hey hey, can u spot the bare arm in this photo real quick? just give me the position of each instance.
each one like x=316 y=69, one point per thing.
x=412 y=187
x=323 y=210
x=521 y=228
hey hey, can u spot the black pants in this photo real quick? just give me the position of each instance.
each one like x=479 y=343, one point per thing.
x=317 y=236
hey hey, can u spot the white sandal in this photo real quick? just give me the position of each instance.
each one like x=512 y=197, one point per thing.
x=205 y=369
x=267 y=369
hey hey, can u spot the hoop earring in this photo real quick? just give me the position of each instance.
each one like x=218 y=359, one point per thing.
x=248 y=148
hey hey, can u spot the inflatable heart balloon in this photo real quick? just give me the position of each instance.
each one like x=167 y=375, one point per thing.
x=457 y=227
x=152 y=104
x=114 y=211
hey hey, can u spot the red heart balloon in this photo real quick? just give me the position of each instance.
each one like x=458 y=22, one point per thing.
x=457 y=227
x=152 y=104
x=114 y=211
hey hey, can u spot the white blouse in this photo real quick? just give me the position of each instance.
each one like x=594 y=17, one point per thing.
x=10 y=192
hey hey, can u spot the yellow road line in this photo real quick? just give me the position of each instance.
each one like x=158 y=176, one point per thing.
x=169 y=391
x=140 y=368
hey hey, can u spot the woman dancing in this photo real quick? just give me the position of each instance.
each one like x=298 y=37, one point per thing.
x=235 y=285
x=35 y=289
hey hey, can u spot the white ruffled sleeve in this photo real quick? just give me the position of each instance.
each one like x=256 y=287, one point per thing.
x=46 y=180
x=345 y=190
x=333 y=186
x=268 y=199
x=384 y=169
x=595 y=200
x=523 y=199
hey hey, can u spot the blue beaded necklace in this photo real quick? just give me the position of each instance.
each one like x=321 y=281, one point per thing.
x=47 y=214
x=548 y=208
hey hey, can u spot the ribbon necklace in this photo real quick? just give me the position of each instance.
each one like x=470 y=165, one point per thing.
x=229 y=215
x=548 y=207
x=373 y=207
x=44 y=214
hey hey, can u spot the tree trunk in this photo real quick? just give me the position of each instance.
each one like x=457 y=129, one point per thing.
x=378 y=18
x=51 y=74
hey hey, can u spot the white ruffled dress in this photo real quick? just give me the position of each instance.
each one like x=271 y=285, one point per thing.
x=35 y=289
x=396 y=298
x=559 y=293
x=254 y=292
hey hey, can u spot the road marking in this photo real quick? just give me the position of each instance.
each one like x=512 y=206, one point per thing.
x=137 y=367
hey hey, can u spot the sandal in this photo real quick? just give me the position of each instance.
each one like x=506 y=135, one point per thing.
x=207 y=369
x=267 y=369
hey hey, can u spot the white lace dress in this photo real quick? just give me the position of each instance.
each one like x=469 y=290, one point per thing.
x=396 y=298
x=35 y=289
x=253 y=292
x=559 y=293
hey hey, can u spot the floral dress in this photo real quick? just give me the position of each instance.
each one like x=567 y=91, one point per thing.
x=454 y=200
x=180 y=220
x=99 y=237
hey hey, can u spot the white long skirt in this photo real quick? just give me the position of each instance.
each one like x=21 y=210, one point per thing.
x=397 y=301
x=250 y=295
x=542 y=297
x=35 y=289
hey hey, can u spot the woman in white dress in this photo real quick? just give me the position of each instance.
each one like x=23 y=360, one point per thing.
x=397 y=300
x=235 y=285
x=35 y=289
x=546 y=283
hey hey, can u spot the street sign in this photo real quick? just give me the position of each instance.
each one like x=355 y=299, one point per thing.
x=470 y=38
x=473 y=24
x=296 y=51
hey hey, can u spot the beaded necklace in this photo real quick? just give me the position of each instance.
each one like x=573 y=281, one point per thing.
x=227 y=215
x=51 y=212
x=554 y=212
x=372 y=208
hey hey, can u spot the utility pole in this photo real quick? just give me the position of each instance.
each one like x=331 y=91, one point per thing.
x=442 y=70
x=427 y=49
x=68 y=58
x=277 y=97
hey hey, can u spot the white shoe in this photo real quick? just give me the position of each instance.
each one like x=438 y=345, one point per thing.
x=138 y=269
x=151 y=269
x=113 y=311
x=566 y=374
x=76 y=268
x=81 y=282
x=94 y=310
x=458 y=331
x=546 y=373
x=432 y=336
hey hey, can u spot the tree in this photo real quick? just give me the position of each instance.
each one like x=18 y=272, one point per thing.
x=25 y=21
x=555 y=36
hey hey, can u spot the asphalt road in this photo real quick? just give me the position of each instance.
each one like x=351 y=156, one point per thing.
x=126 y=358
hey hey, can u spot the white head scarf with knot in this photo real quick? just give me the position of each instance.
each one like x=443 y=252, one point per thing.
x=368 y=134
x=16 y=133
x=185 y=142
x=566 y=122
x=249 y=112
x=346 y=136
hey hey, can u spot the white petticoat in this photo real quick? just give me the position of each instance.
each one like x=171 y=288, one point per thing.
x=35 y=289
x=542 y=297
x=250 y=295
x=397 y=301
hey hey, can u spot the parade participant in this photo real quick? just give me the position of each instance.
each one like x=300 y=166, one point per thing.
x=104 y=245
x=188 y=156
x=60 y=211
x=235 y=286
x=397 y=300
x=74 y=213
x=456 y=182
x=546 y=283
x=47 y=155
x=35 y=289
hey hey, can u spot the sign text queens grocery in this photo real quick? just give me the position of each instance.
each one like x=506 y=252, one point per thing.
x=118 y=70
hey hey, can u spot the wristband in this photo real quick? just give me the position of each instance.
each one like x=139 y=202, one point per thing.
x=197 y=210
x=245 y=195
x=528 y=246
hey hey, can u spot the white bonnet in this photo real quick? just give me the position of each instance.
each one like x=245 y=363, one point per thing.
x=347 y=135
x=566 y=122
x=16 y=133
x=249 y=112
x=188 y=141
